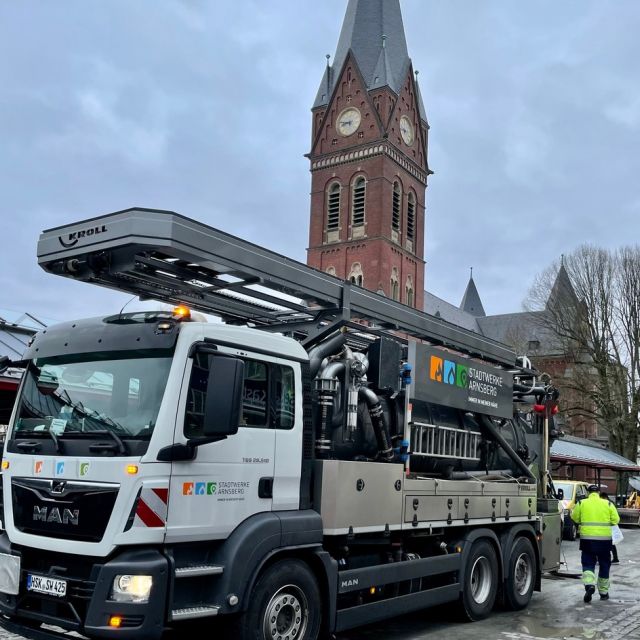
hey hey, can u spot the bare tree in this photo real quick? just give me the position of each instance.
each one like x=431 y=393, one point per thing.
x=589 y=307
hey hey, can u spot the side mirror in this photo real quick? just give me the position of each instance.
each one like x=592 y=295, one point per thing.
x=223 y=406
x=5 y=363
x=560 y=494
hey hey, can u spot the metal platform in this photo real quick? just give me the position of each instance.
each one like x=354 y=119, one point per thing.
x=164 y=256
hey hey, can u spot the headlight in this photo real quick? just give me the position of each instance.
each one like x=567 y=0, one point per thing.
x=129 y=588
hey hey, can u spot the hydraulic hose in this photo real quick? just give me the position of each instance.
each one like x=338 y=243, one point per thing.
x=385 y=449
x=319 y=353
x=495 y=434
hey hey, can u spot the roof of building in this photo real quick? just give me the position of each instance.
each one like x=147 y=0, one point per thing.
x=471 y=302
x=374 y=32
x=573 y=450
x=14 y=334
x=449 y=312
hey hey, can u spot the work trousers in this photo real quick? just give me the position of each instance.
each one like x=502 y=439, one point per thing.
x=596 y=552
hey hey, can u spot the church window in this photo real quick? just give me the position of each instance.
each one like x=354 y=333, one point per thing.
x=358 y=205
x=397 y=203
x=395 y=286
x=331 y=271
x=333 y=207
x=411 y=217
x=409 y=292
x=356 y=276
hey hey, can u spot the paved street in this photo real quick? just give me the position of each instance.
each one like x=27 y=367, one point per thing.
x=558 y=613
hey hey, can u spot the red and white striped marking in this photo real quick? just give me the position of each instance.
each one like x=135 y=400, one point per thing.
x=151 y=511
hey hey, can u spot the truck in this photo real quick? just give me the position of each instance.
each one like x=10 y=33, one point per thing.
x=314 y=458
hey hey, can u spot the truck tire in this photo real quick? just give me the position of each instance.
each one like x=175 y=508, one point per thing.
x=480 y=581
x=284 y=603
x=521 y=575
x=571 y=532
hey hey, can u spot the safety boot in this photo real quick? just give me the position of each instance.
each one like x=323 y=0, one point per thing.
x=604 y=596
x=588 y=592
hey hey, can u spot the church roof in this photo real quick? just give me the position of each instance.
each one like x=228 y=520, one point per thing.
x=562 y=294
x=374 y=32
x=442 y=309
x=471 y=302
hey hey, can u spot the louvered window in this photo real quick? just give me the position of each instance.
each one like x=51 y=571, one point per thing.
x=358 y=208
x=395 y=213
x=411 y=217
x=333 y=208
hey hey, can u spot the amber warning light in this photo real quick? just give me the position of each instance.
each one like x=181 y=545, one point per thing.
x=182 y=313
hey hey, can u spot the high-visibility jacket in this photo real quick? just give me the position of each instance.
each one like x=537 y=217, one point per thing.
x=595 y=516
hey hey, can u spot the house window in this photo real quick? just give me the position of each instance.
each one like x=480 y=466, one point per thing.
x=395 y=212
x=395 y=286
x=409 y=291
x=333 y=207
x=356 y=276
x=358 y=204
x=411 y=217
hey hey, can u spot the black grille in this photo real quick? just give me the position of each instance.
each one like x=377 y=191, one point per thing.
x=62 y=509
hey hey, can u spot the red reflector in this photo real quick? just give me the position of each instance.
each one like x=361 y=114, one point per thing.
x=539 y=408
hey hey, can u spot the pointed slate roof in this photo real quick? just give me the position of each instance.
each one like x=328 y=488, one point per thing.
x=471 y=302
x=383 y=61
x=562 y=294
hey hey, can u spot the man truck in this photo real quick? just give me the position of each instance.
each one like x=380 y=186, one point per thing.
x=323 y=458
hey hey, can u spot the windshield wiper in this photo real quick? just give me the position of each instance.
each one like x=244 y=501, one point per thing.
x=34 y=445
x=122 y=449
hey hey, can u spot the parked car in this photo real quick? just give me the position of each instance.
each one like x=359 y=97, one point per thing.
x=573 y=491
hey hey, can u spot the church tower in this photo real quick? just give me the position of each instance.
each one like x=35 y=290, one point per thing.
x=368 y=158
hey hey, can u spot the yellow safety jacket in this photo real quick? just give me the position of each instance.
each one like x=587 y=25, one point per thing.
x=595 y=516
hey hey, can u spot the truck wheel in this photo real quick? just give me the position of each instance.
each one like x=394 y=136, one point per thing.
x=285 y=603
x=480 y=581
x=572 y=531
x=521 y=574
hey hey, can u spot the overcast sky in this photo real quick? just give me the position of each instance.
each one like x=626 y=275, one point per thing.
x=204 y=108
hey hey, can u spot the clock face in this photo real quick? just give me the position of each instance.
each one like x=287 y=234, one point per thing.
x=406 y=130
x=349 y=121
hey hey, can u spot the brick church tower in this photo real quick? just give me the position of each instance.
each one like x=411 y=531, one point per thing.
x=369 y=158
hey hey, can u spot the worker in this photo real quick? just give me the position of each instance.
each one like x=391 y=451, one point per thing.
x=595 y=517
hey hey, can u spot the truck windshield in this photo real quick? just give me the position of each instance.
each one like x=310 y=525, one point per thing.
x=102 y=391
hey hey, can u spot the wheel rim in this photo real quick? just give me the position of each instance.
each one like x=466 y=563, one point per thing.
x=523 y=574
x=481 y=580
x=287 y=615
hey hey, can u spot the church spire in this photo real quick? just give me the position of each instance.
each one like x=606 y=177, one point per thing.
x=471 y=302
x=374 y=32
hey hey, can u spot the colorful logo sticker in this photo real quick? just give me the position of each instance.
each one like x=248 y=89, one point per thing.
x=37 y=467
x=449 y=372
x=211 y=488
x=436 y=369
x=200 y=488
x=187 y=489
x=59 y=467
x=83 y=469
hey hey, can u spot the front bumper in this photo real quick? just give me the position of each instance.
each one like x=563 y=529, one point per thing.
x=86 y=607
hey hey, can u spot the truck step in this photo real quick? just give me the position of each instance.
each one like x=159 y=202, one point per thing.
x=196 y=611
x=193 y=571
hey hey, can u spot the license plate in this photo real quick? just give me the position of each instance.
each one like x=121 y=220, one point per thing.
x=49 y=586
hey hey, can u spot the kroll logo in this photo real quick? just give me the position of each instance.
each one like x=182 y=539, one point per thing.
x=448 y=372
x=72 y=238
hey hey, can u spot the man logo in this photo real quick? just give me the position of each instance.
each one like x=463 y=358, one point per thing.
x=436 y=369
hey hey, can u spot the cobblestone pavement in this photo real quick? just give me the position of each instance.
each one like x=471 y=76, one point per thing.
x=558 y=613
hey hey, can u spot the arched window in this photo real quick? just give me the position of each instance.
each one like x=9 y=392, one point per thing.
x=331 y=271
x=355 y=275
x=396 y=207
x=333 y=207
x=358 y=203
x=411 y=219
x=395 y=286
x=408 y=290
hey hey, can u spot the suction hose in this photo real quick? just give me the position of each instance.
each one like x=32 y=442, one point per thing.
x=385 y=450
x=495 y=434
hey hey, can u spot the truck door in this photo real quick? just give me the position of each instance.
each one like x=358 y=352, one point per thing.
x=232 y=479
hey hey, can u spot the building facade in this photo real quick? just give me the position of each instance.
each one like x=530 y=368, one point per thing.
x=368 y=158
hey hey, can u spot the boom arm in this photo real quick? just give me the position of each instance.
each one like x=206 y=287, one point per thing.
x=167 y=257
